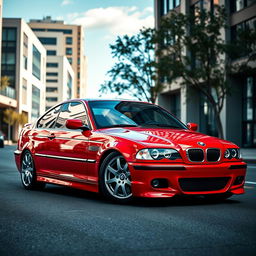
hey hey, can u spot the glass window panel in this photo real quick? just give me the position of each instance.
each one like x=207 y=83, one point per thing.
x=48 y=120
x=249 y=90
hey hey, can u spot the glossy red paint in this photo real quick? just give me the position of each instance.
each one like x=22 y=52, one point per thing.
x=73 y=157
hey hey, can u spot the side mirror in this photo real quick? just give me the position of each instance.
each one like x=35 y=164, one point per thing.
x=192 y=126
x=75 y=124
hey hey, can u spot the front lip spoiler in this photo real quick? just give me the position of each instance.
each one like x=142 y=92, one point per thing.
x=238 y=166
x=157 y=167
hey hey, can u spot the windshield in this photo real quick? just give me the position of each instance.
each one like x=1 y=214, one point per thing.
x=124 y=114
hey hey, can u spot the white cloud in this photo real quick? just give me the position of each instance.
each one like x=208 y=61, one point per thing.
x=66 y=2
x=117 y=20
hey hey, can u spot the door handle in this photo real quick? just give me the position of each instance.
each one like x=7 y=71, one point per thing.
x=51 y=136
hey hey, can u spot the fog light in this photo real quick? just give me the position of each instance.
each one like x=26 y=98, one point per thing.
x=239 y=180
x=155 y=183
x=159 y=183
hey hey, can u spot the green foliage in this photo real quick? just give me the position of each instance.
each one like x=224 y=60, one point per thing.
x=10 y=116
x=5 y=81
x=135 y=70
x=190 y=47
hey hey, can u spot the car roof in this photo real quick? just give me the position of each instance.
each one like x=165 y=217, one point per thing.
x=102 y=99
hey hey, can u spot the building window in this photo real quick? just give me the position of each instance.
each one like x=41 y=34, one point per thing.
x=78 y=61
x=51 y=52
x=64 y=31
x=51 y=89
x=68 y=51
x=69 y=40
x=24 y=91
x=51 y=74
x=52 y=99
x=69 y=86
x=25 y=62
x=36 y=63
x=25 y=51
x=249 y=112
x=8 y=62
x=52 y=64
x=238 y=5
x=175 y=104
x=51 y=80
x=48 y=40
x=78 y=75
x=70 y=61
x=236 y=29
x=207 y=118
x=35 y=103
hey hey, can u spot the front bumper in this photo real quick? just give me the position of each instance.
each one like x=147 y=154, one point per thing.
x=143 y=173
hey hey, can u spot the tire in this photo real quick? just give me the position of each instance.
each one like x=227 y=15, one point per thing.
x=115 y=178
x=218 y=197
x=1 y=144
x=28 y=173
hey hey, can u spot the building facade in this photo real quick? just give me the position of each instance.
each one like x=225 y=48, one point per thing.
x=24 y=63
x=239 y=112
x=59 y=72
x=70 y=38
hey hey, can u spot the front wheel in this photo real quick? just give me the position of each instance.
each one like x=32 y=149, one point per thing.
x=115 y=178
x=28 y=173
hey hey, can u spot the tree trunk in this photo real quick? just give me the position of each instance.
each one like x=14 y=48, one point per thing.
x=218 y=123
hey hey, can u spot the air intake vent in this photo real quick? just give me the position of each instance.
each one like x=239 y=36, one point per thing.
x=195 y=155
x=213 y=154
x=203 y=184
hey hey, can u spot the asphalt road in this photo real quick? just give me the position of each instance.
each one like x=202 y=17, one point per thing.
x=63 y=221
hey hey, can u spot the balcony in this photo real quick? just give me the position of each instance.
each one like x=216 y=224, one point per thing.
x=8 y=92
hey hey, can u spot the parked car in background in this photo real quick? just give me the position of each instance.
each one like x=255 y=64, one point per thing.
x=126 y=149
x=1 y=140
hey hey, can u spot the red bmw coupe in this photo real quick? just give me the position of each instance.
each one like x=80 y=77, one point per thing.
x=126 y=149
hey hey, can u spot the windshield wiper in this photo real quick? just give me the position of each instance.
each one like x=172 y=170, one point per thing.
x=164 y=125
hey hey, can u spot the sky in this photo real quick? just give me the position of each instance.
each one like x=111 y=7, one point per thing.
x=103 y=21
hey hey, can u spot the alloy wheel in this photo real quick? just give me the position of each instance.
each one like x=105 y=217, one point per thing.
x=117 y=178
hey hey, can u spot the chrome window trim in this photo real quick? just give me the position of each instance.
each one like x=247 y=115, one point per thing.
x=66 y=158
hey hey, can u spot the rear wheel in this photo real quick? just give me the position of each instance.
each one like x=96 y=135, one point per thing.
x=28 y=173
x=115 y=178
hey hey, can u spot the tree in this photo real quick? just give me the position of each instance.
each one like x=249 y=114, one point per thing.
x=5 y=81
x=10 y=118
x=191 y=47
x=135 y=70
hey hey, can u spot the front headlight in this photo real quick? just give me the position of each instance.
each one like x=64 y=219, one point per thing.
x=157 y=154
x=232 y=153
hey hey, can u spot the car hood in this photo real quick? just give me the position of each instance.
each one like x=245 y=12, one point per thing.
x=177 y=138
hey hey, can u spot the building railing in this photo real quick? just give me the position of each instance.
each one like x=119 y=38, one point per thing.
x=8 y=92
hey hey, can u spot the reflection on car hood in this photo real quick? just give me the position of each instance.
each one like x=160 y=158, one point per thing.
x=166 y=137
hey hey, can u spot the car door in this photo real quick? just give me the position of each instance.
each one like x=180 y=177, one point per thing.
x=68 y=150
x=42 y=139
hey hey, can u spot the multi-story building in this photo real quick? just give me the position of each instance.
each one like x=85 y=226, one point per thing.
x=70 y=38
x=59 y=73
x=239 y=112
x=24 y=63
x=1 y=9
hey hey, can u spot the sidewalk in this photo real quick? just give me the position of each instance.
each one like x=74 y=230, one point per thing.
x=249 y=155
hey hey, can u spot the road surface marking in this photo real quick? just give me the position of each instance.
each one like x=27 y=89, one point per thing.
x=250 y=182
